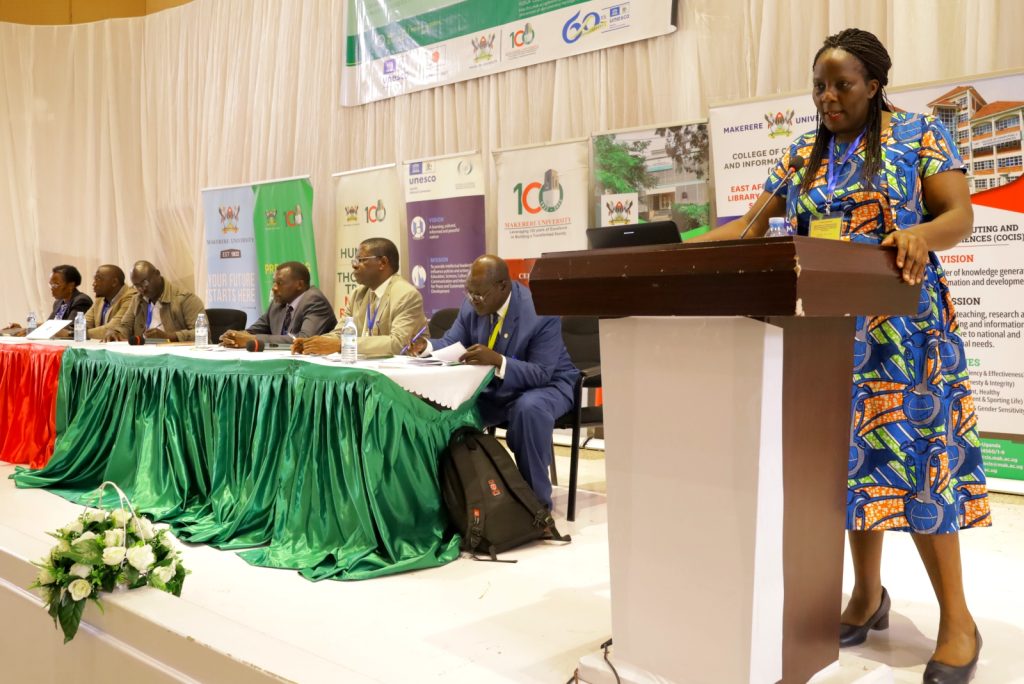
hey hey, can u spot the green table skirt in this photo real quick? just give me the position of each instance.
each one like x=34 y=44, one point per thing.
x=331 y=471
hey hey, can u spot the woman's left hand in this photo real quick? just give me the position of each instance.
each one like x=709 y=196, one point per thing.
x=911 y=253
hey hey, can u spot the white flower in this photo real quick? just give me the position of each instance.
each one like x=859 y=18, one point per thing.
x=141 y=557
x=79 y=589
x=85 y=537
x=80 y=570
x=120 y=517
x=74 y=527
x=96 y=516
x=45 y=576
x=113 y=538
x=62 y=546
x=143 y=528
x=113 y=555
x=165 y=573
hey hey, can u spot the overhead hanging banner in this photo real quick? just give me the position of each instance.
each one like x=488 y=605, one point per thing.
x=653 y=174
x=445 y=220
x=231 y=261
x=283 y=224
x=542 y=202
x=985 y=115
x=369 y=204
x=399 y=46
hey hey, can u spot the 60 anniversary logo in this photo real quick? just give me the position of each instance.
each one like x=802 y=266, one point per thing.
x=577 y=27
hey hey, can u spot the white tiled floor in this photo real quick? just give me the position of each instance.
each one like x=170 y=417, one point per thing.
x=526 y=622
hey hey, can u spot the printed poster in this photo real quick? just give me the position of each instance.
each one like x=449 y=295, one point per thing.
x=542 y=202
x=283 y=220
x=445 y=219
x=369 y=204
x=231 y=261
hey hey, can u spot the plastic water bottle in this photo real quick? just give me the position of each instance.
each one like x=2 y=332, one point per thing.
x=202 y=331
x=31 y=322
x=349 y=341
x=79 y=327
x=777 y=227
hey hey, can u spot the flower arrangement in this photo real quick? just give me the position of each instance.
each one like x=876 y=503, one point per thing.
x=101 y=551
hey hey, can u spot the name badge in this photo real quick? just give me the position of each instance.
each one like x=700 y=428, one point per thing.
x=829 y=226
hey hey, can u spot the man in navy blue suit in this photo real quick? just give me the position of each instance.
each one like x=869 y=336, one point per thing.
x=533 y=378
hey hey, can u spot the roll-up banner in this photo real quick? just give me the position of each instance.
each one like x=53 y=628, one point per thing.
x=542 y=202
x=398 y=46
x=657 y=173
x=985 y=115
x=444 y=207
x=369 y=204
x=250 y=229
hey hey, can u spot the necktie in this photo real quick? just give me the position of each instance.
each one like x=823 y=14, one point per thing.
x=104 y=312
x=494 y=333
x=287 y=320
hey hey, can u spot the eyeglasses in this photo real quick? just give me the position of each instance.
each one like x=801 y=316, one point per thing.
x=481 y=296
x=357 y=261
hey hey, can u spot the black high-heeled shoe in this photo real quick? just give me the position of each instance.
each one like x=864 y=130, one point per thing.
x=940 y=673
x=852 y=635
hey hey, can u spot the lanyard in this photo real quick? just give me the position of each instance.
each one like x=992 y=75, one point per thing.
x=832 y=175
x=494 y=333
x=149 y=315
x=103 y=312
x=371 y=319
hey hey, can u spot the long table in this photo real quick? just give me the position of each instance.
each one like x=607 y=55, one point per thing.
x=328 y=470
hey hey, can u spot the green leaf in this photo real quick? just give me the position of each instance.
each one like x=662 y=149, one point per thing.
x=90 y=552
x=70 y=616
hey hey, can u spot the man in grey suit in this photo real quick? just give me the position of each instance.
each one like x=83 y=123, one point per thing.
x=298 y=310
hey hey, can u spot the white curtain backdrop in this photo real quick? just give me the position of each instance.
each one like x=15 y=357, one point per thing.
x=108 y=131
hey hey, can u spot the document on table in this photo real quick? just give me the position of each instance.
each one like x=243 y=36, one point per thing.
x=47 y=329
x=450 y=354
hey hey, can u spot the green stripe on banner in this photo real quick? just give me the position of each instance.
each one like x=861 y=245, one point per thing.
x=1003 y=458
x=399 y=26
x=283 y=228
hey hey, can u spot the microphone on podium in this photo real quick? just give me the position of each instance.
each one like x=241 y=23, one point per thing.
x=260 y=345
x=795 y=164
x=136 y=340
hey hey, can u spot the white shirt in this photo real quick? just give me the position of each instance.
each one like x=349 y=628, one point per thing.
x=374 y=303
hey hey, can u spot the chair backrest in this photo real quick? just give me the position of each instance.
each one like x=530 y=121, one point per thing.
x=441 y=321
x=580 y=334
x=222 y=320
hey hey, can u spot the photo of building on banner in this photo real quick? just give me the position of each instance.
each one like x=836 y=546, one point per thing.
x=399 y=46
x=653 y=174
x=985 y=118
x=445 y=221
x=542 y=202
x=368 y=204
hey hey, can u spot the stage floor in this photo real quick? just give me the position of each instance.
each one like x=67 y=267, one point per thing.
x=466 y=622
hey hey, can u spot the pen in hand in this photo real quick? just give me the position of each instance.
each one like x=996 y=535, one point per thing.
x=414 y=338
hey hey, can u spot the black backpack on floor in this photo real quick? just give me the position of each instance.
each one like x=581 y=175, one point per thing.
x=488 y=500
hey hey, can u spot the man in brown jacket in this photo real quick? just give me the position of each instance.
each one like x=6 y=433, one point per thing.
x=161 y=310
x=113 y=298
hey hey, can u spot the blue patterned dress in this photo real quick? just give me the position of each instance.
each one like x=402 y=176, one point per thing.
x=915 y=457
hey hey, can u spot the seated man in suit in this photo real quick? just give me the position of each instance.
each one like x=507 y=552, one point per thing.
x=161 y=310
x=298 y=311
x=388 y=311
x=534 y=377
x=113 y=298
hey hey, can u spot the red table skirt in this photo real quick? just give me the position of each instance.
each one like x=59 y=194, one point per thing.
x=28 y=399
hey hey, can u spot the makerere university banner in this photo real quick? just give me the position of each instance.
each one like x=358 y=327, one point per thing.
x=369 y=204
x=399 y=46
x=542 y=202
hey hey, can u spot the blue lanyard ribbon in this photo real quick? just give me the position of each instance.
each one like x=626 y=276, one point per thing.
x=832 y=164
x=149 y=315
x=371 y=318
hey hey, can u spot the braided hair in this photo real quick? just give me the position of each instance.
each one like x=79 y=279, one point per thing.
x=875 y=60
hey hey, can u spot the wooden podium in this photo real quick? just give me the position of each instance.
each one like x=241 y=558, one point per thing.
x=727 y=370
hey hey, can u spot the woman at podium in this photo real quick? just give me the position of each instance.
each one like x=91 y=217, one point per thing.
x=874 y=175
